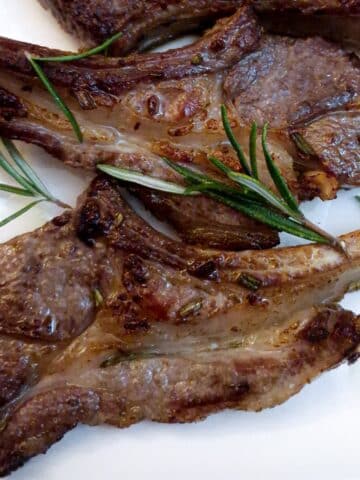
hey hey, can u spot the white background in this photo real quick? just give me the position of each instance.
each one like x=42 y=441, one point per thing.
x=313 y=436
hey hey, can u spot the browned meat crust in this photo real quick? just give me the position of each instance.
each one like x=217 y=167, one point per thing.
x=288 y=81
x=202 y=222
x=144 y=22
x=133 y=118
x=204 y=344
x=309 y=6
x=97 y=79
x=333 y=141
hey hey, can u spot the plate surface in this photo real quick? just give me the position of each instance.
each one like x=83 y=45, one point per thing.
x=312 y=436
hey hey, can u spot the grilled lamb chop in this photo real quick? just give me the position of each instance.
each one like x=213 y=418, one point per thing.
x=333 y=19
x=104 y=320
x=135 y=110
x=144 y=23
x=149 y=22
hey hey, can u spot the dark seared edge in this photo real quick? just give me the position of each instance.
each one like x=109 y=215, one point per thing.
x=199 y=222
x=143 y=22
x=98 y=76
x=66 y=359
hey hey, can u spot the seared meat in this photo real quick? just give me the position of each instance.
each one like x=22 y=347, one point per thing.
x=309 y=6
x=333 y=140
x=135 y=110
x=288 y=81
x=104 y=320
x=144 y=23
x=149 y=22
x=202 y=222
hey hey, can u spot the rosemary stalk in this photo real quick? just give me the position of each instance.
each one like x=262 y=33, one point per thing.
x=30 y=183
x=34 y=61
x=246 y=194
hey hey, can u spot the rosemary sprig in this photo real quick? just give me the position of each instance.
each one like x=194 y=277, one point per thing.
x=232 y=139
x=18 y=213
x=26 y=169
x=247 y=194
x=140 y=179
x=278 y=179
x=34 y=61
x=79 y=56
x=30 y=183
x=56 y=96
x=252 y=150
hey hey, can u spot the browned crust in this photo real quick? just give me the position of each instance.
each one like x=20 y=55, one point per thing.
x=207 y=386
x=52 y=379
x=140 y=21
x=95 y=80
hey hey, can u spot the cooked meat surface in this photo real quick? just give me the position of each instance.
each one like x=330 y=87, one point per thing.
x=149 y=22
x=309 y=6
x=135 y=110
x=143 y=23
x=202 y=222
x=333 y=140
x=104 y=320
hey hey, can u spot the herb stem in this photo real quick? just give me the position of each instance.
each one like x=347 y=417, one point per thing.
x=79 y=56
x=235 y=144
x=56 y=96
x=252 y=151
x=20 y=212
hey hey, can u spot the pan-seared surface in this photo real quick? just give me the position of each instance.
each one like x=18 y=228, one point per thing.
x=179 y=117
x=148 y=22
x=309 y=6
x=156 y=329
x=142 y=22
x=132 y=115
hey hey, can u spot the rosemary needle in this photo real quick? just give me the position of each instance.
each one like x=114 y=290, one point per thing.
x=20 y=212
x=252 y=150
x=278 y=179
x=248 y=195
x=79 y=56
x=30 y=183
x=56 y=96
x=235 y=144
x=144 y=180
x=34 y=61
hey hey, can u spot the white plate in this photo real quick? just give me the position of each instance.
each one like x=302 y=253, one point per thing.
x=313 y=435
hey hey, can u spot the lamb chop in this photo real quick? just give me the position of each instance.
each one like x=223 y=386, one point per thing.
x=149 y=22
x=104 y=320
x=334 y=19
x=144 y=23
x=135 y=110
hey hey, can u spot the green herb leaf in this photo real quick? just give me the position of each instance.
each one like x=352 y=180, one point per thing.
x=98 y=298
x=271 y=218
x=188 y=173
x=231 y=137
x=78 y=56
x=31 y=176
x=19 y=212
x=302 y=144
x=15 y=190
x=56 y=96
x=254 y=185
x=252 y=150
x=357 y=197
x=249 y=281
x=198 y=181
x=278 y=179
x=140 y=179
x=10 y=170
